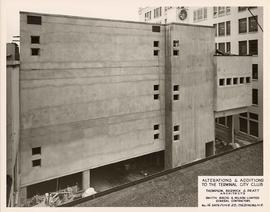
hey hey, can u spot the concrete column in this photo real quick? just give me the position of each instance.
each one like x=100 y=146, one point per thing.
x=23 y=196
x=232 y=130
x=86 y=179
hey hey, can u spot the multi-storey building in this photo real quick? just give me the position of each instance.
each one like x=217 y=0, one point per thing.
x=95 y=92
x=238 y=30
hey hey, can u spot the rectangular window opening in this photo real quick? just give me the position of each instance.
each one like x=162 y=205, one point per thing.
x=156 y=52
x=235 y=81
x=155 y=28
x=175 y=97
x=175 y=52
x=36 y=162
x=176 y=128
x=176 y=87
x=35 y=51
x=247 y=79
x=242 y=80
x=156 y=96
x=156 y=87
x=228 y=81
x=221 y=82
x=31 y=19
x=156 y=43
x=156 y=136
x=35 y=39
x=255 y=71
x=176 y=43
x=176 y=137
x=255 y=96
x=156 y=126
x=36 y=151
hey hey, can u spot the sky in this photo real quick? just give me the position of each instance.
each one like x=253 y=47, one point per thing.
x=111 y=9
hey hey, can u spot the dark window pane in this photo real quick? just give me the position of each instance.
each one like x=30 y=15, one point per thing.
x=155 y=28
x=176 y=128
x=35 y=39
x=242 y=25
x=221 y=47
x=228 y=27
x=34 y=19
x=215 y=26
x=242 y=9
x=228 y=47
x=255 y=96
x=35 y=51
x=221 y=29
x=253 y=116
x=242 y=47
x=253 y=128
x=252 y=24
x=253 y=47
x=222 y=121
x=243 y=125
x=156 y=126
x=221 y=82
x=254 y=71
x=156 y=43
x=36 y=162
x=243 y=114
x=36 y=151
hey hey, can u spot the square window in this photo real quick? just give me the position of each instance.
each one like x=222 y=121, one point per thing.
x=176 y=137
x=156 y=136
x=253 y=47
x=242 y=80
x=156 y=87
x=247 y=79
x=176 y=43
x=36 y=162
x=176 y=128
x=36 y=151
x=31 y=19
x=156 y=43
x=35 y=39
x=242 y=47
x=175 y=97
x=156 y=96
x=221 y=82
x=228 y=81
x=255 y=71
x=176 y=87
x=175 y=52
x=155 y=28
x=156 y=126
x=156 y=52
x=35 y=51
x=235 y=81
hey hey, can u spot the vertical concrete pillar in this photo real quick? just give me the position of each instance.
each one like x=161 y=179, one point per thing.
x=86 y=179
x=23 y=196
x=232 y=130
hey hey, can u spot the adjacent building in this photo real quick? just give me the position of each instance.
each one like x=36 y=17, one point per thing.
x=95 y=92
x=238 y=30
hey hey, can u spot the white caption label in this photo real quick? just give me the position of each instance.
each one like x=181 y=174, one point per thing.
x=230 y=191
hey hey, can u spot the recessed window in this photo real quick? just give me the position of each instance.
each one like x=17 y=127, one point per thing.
x=156 y=96
x=235 y=81
x=175 y=52
x=156 y=43
x=176 y=43
x=35 y=39
x=176 y=137
x=36 y=151
x=222 y=121
x=243 y=125
x=156 y=87
x=35 y=51
x=228 y=81
x=221 y=82
x=36 y=162
x=175 y=97
x=242 y=25
x=221 y=29
x=31 y=19
x=155 y=28
x=254 y=128
x=176 y=128
x=252 y=24
x=242 y=47
x=253 y=116
x=221 y=47
x=156 y=136
x=156 y=126
x=255 y=71
x=243 y=114
x=228 y=47
x=176 y=87
x=242 y=80
x=228 y=27
x=156 y=52
x=253 y=47
x=247 y=79
x=255 y=96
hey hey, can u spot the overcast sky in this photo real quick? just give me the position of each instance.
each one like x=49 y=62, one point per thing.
x=112 y=9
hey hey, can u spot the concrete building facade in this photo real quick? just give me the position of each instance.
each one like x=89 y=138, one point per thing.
x=237 y=32
x=95 y=92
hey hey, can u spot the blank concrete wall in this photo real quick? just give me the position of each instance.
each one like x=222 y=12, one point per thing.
x=87 y=100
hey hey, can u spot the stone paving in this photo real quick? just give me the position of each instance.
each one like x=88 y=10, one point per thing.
x=180 y=188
